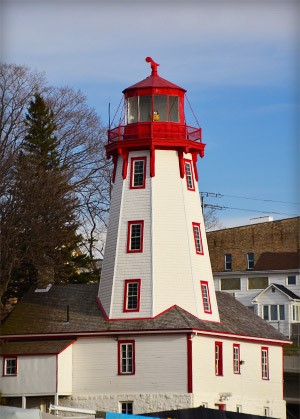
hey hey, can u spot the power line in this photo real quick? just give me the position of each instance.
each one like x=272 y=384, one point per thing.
x=219 y=207
x=219 y=195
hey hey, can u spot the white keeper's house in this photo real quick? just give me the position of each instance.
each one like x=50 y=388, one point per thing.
x=154 y=335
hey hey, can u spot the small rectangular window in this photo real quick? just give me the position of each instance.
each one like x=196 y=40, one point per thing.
x=138 y=173
x=135 y=236
x=250 y=260
x=189 y=175
x=230 y=284
x=198 y=238
x=218 y=358
x=132 y=295
x=126 y=363
x=258 y=283
x=265 y=363
x=126 y=408
x=205 y=297
x=291 y=280
x=228 y=262
x=10 y=366
x=236 y=358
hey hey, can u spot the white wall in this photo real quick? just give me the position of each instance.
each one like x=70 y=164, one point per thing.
x=64 y=371
x=247 y=388
x=161 y=366
x=36 y=375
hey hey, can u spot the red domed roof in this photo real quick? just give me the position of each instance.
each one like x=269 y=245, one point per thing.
x=154 y=80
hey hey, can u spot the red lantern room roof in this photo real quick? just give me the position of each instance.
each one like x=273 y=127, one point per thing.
x=153 y=81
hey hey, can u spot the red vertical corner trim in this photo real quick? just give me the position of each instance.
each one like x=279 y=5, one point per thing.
x=189 y=363
x=125 y=163
x=194 y=157
x=115 y=163
x=181 y=163
x=152 y=161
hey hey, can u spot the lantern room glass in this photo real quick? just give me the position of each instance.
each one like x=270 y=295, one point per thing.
x=157 y=108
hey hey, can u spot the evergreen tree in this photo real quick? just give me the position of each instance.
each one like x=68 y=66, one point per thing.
x=46 y=223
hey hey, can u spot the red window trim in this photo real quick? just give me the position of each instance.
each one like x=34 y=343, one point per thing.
x=237 y=346
x=4 y=374
x=202 y=285
x=127 y=282
x=197 y=225
x=134 y=159
x=192 y=174
x=124 y=342
x=130 y=223
x=219 y=361
x=266 y=350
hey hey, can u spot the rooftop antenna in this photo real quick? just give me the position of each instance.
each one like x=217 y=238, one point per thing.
x=109 y=113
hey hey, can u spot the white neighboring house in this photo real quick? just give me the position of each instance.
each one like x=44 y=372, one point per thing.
x=248 y=286
x=279 y=306
x=154 y=335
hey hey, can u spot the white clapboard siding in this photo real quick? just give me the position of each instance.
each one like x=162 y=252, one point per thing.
x=64 y=372
x=169 y=268
x=36 y=375
x=244 y=387
x=160 y=366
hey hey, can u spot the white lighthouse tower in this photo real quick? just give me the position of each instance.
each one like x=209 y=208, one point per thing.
x=156 y=254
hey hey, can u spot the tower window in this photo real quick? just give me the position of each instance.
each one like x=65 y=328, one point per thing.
x=205 y=297
x=135 y=236
x=198 y=238
x=132 y=295
x=126 y=351
x=189 y=175
x=218 y=358
x=138 y=173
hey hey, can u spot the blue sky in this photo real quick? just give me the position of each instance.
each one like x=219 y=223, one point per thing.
x=238 y=60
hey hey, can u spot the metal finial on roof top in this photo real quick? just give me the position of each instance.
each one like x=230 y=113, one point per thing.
x=154 y=66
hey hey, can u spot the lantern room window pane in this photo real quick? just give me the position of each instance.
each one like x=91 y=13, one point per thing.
x=173 y=109
x=145 y=108
x=160 y=108
x=132 y=110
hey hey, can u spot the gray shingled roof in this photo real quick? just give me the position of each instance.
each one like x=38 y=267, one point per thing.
x=46 y=313
x=287 y=291
x=43 y=347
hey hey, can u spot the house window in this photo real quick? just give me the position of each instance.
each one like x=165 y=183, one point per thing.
x=205 y=297
x=291 y=280
x=135 y=236
x=296 y=313
x=258 y=283
x=250 y=260
x=132 y=295
x=273 y=312
x=126 y=408
x=218 y=358
x=126 y=364
x=230 y=284
x=189 y=175
x=138 y=173
x=236 y=359
x=10 y=366
x=265 y=363
x=198 y=238
x=228 y=262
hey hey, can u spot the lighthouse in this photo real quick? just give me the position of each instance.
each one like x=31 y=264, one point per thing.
x=156 y=254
